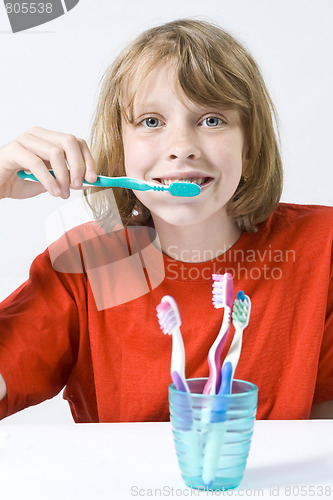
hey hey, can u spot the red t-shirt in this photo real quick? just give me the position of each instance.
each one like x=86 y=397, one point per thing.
x=86 y=320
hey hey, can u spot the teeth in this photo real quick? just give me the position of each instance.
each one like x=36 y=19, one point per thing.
x=167 y=182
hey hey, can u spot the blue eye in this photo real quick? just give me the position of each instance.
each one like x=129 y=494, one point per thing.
x=212 y=121
x=151 y=122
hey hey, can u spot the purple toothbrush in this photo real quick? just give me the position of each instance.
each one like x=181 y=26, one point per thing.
x=169 y=320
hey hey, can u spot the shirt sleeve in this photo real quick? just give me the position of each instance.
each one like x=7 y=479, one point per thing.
x=38 y=337
x=324 y=383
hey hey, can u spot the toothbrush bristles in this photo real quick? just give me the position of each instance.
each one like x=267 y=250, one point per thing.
x=167 y=321
x=218 y=294
x=241 y=308
x=222 y=290
x=168 y=315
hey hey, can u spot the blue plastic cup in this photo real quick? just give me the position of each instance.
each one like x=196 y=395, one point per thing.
x=212 y=433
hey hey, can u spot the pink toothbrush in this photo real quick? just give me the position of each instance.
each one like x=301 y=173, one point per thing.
x=169 y=320
x=223 y=291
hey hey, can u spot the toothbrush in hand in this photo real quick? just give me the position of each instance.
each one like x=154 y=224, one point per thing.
x=240 y=319
x=177 y=188
x=169 y=320
x=223 y=290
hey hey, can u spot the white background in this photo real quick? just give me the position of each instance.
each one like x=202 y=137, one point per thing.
x=49 y=76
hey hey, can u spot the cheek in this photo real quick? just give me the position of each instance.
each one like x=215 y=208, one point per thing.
x=132 y=155
x=138 y=155
x=228 y=162
x=230 y=155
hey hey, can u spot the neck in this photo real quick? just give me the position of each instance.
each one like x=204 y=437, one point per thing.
x=198 y=242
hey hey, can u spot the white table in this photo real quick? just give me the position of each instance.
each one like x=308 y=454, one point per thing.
x=288 y=459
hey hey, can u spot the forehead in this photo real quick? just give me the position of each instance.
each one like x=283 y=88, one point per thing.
x=156 y=86
x=145 y=81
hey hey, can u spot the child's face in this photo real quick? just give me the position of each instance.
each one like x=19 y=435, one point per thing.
x=171 y=138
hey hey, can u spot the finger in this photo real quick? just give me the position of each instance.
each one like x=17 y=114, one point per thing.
x=51 y=155
x=26 y=160
x=90 y=174
x=25 y=189
x=72 y=151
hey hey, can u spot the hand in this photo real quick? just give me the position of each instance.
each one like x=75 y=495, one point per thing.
x=39 y=150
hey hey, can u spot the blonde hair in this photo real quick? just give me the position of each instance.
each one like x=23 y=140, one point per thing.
x=215 y=69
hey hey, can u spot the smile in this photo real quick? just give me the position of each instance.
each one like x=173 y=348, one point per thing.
x=201 y=181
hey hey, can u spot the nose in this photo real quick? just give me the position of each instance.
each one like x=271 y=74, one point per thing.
x=182 y=146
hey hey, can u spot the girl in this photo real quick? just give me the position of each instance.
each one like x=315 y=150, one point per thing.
x=185 y=101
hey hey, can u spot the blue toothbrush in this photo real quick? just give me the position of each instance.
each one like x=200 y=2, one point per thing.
x=240 y=319
x=216 y=428
x=177 y=188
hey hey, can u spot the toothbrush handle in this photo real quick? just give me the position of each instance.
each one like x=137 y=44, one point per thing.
x=227 y=374
x=178 y=361
x=103 y=181
x=214 y=356
x=179 y=382
x=234 y=351
x=124 y=182
x=217 y=428
x=24 y=175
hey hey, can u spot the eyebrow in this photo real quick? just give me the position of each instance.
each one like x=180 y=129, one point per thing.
x=148 y=104
x=199 y=107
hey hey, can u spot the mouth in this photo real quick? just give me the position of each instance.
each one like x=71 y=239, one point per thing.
x=201 y=181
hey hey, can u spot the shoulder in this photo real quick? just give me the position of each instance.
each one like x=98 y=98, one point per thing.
x=293 y=212
x=86 y=240
x=303 y=218
x=302 y=227
x=89 y=246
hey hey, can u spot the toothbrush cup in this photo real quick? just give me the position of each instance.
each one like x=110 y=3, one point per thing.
x=227 y=420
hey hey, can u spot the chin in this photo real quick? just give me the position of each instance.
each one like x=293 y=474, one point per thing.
x=181 y=217
x=187 y=212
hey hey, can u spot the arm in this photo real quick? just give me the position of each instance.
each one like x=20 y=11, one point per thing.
x=40 y=332
x=3 y=388
x=38 y=150
x=324 y=383
x=322 y=410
